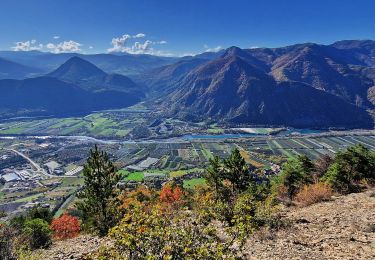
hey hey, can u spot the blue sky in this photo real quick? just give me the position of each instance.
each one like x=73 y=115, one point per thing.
x=178 y=27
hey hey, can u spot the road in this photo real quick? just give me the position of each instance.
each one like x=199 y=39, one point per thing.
x=37 y=167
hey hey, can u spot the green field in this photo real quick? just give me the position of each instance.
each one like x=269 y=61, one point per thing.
x=191 y=184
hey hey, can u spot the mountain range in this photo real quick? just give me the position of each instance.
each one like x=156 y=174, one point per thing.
x=122 y=63
x=303 y=85
x=76 y=87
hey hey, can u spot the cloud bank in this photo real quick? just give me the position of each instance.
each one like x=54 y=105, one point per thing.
x=31 y=45
x=125 y=43
x=65 y=46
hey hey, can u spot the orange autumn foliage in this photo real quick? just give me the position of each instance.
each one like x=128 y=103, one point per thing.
x=313 y=193
x=171 y=194
x=65 y=227
x=140 y=197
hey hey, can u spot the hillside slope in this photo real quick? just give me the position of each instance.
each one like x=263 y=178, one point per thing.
x=13 y=70
x=302 y=85
x=232 y=89
x=343 y=228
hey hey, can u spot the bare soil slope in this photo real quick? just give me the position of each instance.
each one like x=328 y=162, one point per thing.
x=343 y=228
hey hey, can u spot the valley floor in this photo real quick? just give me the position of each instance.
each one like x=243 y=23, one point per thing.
x=343 y=228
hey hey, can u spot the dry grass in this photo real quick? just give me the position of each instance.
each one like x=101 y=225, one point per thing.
x=246 y=155
x=313 y=193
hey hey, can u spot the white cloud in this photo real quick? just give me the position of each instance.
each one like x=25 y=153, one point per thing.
x=215 y=49
x=65 y=46
x=139 y=35
x=118 y=44
x=56 y=37
x=91 y=47
x=126 y=43
x=27 y=46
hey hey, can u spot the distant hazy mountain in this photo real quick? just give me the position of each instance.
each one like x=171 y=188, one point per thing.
x=305 y=85
x=13 y=70
x=126 y=64
x=50 y=96
x=77 y=86
x=90 y=77
x=162 y=80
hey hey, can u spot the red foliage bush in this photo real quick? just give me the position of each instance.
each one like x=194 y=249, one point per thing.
x=65 y=227
x=171 y=194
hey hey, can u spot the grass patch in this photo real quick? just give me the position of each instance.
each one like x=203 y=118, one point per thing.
x=135 y=176
x=191 y=184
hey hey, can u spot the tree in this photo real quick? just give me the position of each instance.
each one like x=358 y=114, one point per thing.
x=214 y=174
x=18 y=222
x=42 y=213
x=237 y=172
x=295 y=173
x=65 y=226
x=99 y=194
x=38 y=233
x=321 y=166
x=351 y=167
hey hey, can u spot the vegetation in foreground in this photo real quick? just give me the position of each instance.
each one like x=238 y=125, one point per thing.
x=209 y=222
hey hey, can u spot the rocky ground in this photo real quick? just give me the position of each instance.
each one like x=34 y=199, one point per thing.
x=343 y=228
x=75 y=248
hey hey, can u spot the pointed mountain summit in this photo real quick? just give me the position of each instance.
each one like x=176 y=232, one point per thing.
x=77 y=69
x=89 y=77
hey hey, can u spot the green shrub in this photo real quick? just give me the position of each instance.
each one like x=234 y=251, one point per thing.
x=296 y=172
x=154 y=235
x=38 y=233
x=350 y=168
x=41 y=213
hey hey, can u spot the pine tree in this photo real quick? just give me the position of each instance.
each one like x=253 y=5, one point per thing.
x=214 y=174
x=237 y=172
x=99 y=194
x=296 y=172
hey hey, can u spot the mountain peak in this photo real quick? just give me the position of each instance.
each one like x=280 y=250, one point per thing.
x=75 y=69
x=234 y=51
x=353 y=44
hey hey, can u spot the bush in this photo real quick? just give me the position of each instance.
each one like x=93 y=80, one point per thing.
x=170 y=194
x=296 y=173
x=7 y=242
x=154 y=235
x=313 y=193
x=350 y=168
x=40 y=213
x=17 y=222
x=65 y=227
x=38 y=233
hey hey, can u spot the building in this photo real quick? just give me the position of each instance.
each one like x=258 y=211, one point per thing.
x=9 y=177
